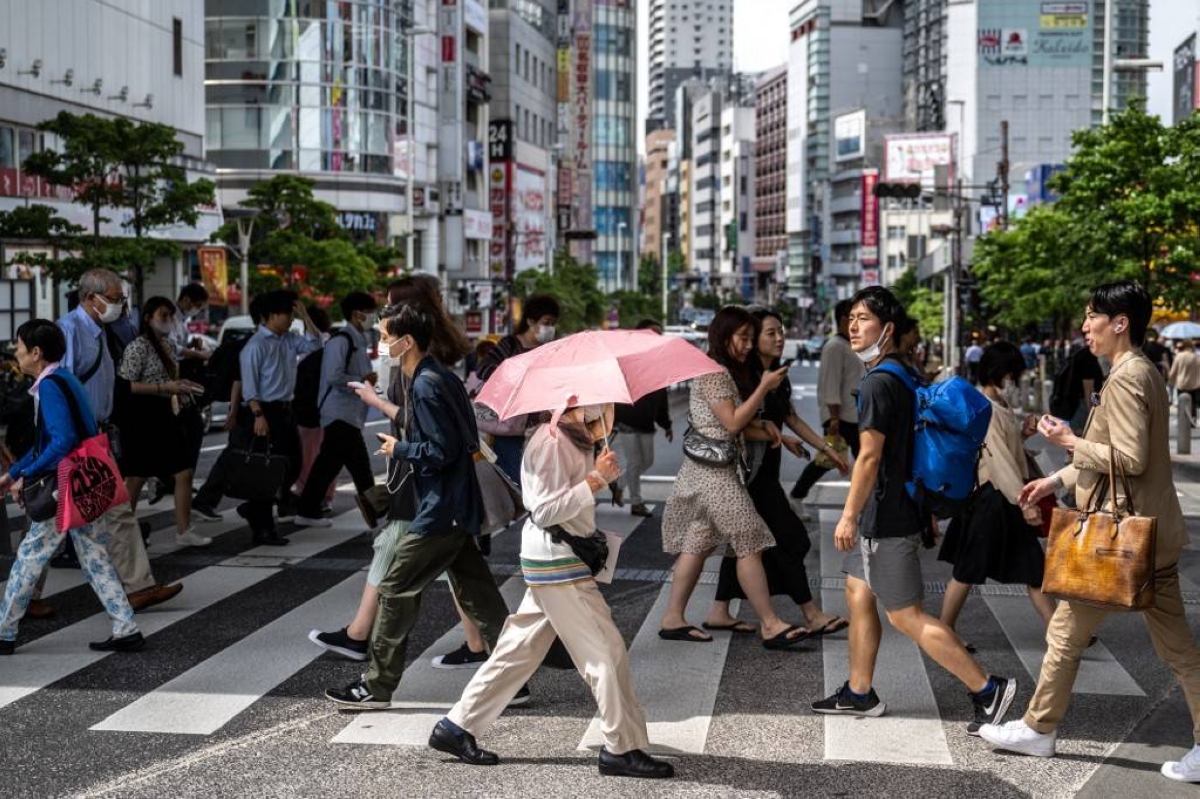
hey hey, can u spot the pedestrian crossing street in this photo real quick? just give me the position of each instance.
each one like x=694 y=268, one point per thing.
x=680 y=685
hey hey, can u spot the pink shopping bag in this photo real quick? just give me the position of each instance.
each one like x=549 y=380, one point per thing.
x=89 y=484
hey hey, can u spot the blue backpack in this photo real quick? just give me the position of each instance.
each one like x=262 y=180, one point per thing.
x=952 y=419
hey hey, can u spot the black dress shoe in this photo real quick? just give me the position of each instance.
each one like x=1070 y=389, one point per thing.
x=7 y=647
x=126 y=643
x=269 y=538
x=634 y=763
x=461 y=746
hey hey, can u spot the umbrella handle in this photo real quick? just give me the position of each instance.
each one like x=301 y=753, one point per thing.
x=604 y=429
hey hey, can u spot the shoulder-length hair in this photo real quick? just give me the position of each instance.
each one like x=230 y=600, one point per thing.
x=728 y=321
x=450 y=344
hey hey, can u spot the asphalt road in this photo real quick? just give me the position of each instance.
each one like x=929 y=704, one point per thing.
x=226 y=699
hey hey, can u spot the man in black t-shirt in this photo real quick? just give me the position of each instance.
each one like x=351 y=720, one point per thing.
x=885 y=563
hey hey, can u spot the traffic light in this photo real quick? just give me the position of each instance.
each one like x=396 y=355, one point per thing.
x=899 y=191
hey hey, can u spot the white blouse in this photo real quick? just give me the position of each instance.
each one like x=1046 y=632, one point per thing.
x=555 y=491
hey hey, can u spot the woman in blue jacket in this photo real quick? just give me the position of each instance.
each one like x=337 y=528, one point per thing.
x=40 y=346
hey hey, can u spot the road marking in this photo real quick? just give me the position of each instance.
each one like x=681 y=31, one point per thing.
x=200 y=701
x=675 y=681
x=52 y=657
x=425 y=694
x=658 y=478
x=1099 y=671
x=912 y=732
x=214 y=448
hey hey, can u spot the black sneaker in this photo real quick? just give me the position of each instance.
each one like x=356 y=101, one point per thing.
x=341 y=643
x=990 y=707
x=844 y=703
x=357 y=695
x=522 y=697
x=461 y=658
x=205 y=514
x=8 y=647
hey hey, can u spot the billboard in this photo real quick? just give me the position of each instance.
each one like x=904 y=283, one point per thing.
x=1034 y=33
x=498 y=250
x=869 y=219
x=529 y=208
x=850 y=136
x=1184 y=86
x=214 y=274
x=911 y=158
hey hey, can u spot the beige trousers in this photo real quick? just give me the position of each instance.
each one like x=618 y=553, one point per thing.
x=578 y=614
x=127 y=550
x=1073 y=625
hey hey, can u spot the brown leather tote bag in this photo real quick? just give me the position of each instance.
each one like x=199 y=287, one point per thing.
x=1101 y=557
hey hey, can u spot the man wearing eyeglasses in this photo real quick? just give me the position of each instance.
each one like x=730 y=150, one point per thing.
x=89 y=357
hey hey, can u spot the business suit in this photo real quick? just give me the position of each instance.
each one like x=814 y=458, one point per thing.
x=1131 y=422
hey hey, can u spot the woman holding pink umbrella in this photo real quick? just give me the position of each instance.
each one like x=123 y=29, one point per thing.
x=709 y=507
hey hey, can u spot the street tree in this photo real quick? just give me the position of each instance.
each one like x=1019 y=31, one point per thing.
x=922 y=303
x=576 y=286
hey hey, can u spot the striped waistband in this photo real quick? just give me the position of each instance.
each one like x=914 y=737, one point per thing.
x=550 y=572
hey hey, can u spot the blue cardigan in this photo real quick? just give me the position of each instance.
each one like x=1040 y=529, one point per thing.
x=56 y=435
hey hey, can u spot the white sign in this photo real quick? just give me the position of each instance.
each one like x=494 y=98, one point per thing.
x=475 y=16
x=477 y=224
x=913 y=157
x=870 y=277
x=529 y=210
x=850 y=136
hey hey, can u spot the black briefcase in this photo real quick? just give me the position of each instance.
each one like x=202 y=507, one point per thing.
x=253 y=473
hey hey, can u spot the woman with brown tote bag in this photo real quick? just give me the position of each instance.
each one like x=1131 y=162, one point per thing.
x=1126 y=429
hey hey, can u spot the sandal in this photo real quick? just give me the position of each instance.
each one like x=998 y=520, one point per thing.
x=741 y=627
x=684 y=634
x=834 y=625
x=782 y=641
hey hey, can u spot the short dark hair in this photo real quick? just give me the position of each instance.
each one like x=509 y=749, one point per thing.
x=276 y=302
x=255 y=308
x=841 y=311
x=194 y=293
x=1000 y=360
x=537 y=306
x=45 y=336
x=320 y=318
x=906 y=326
x=1128 y=298
x=357 y=301
x=412 y=320
x=883 y=305
x=647 y=324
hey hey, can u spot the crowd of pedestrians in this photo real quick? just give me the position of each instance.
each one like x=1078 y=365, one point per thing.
x=302 y=397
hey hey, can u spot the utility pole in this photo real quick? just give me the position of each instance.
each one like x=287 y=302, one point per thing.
x=1002 y=170
x=952 y=329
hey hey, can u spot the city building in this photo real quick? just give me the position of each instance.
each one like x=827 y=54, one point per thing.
x=116 y=58
x=737 y=224
x=924 y=64
x=1185 y=98
x=770 y=183
x=660 y=204
x=687 y=40
x=706 y=188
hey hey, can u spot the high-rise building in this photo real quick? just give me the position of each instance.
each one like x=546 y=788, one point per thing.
x=114 y=58
x=737 y=175
x=660 y=205
x=924 y=64
x=687 y=40
x=706 y=187
x=770 y=182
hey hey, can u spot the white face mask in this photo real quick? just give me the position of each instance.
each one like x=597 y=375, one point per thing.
x=592 y=413
x=391 y=360
x=545 y=334
x=1010 y=392
x=112 y=310
x=872 y=352
x=163 y=328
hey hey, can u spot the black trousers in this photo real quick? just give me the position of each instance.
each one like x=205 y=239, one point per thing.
x=341 y=445
x=812 y=473
x=285 y=440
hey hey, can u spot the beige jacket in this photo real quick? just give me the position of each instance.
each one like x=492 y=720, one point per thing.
x=1132 y=422
x=838 y=378
x=1185 y=372
x=1003 y=461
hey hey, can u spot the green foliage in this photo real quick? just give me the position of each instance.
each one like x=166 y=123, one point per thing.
x=708 y=299
x=576 y=287
x=922 y=303
x=386 y=259
x=634 y=306
x=1129 y=207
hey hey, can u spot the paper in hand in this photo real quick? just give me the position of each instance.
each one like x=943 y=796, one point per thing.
x=610 y=566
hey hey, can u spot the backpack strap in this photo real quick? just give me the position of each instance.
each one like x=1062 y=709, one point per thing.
x=349 y=354
x=464 y=426
x=95 y=367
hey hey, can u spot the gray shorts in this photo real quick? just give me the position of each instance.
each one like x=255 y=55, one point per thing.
x=892 y=569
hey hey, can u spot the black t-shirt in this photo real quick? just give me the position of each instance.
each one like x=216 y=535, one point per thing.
x=1085 y=366
x=888 y=406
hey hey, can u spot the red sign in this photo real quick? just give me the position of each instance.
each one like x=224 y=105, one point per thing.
x=869 y=224
x=448 y=49
x=473 y=321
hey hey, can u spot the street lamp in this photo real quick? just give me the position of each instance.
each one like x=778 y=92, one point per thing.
x=245 y=228
x=409 y=243
x=1122 y=64
x=621 y=226
x=667 y=239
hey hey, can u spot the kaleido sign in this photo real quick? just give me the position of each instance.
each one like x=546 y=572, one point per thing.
x=1034 y=33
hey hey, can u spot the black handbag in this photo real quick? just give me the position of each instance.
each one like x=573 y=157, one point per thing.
x=38 y=497
x=591 y=549
x=253 y=474
x=401 y=487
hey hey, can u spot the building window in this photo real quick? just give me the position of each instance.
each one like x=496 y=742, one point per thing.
x=895 y=232
x=177 y=45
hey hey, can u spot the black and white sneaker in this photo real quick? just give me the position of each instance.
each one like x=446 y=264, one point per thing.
x=845 y=703
x=990 y=707
x=205 y=513
x=357 y=695
x=522 y=698
x=341 y=643
x=461 y=658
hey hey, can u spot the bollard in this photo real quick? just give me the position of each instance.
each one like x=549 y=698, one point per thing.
x=1183 y=423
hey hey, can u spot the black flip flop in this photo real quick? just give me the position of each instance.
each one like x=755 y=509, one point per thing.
x=683 y=634
x=834 y=625
x=781 y=641
x=737 y=628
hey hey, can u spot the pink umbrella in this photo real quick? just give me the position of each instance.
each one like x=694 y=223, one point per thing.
x=594 y=368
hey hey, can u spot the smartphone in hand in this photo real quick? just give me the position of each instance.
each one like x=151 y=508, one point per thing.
x=356 y=384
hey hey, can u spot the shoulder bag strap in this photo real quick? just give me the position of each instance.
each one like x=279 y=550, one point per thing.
x=464 y=427
x=349 y=354
x=95 y=367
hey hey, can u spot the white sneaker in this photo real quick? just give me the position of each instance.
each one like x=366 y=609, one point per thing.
x=1016 y=736
x=306 y=521
x=189 y=538
x=1185 y=770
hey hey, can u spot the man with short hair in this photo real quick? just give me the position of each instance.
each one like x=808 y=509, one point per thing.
x=635 y=425
x=449 y=514
x=885 y=565
x=342 y=416
x=101 y=302
x=193 y=300
x=268 y=364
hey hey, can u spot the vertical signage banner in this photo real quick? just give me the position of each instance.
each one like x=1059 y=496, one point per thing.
x=499 y=254
x=214 y=272
x=1184 y=86
x=870 y=219
x=529 y=218
x=581 y=122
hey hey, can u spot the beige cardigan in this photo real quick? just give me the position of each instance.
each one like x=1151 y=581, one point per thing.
x=1003 y=461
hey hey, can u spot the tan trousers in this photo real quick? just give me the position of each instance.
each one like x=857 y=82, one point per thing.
x=578 y=614
x=1073 y=625
x=127 y=550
